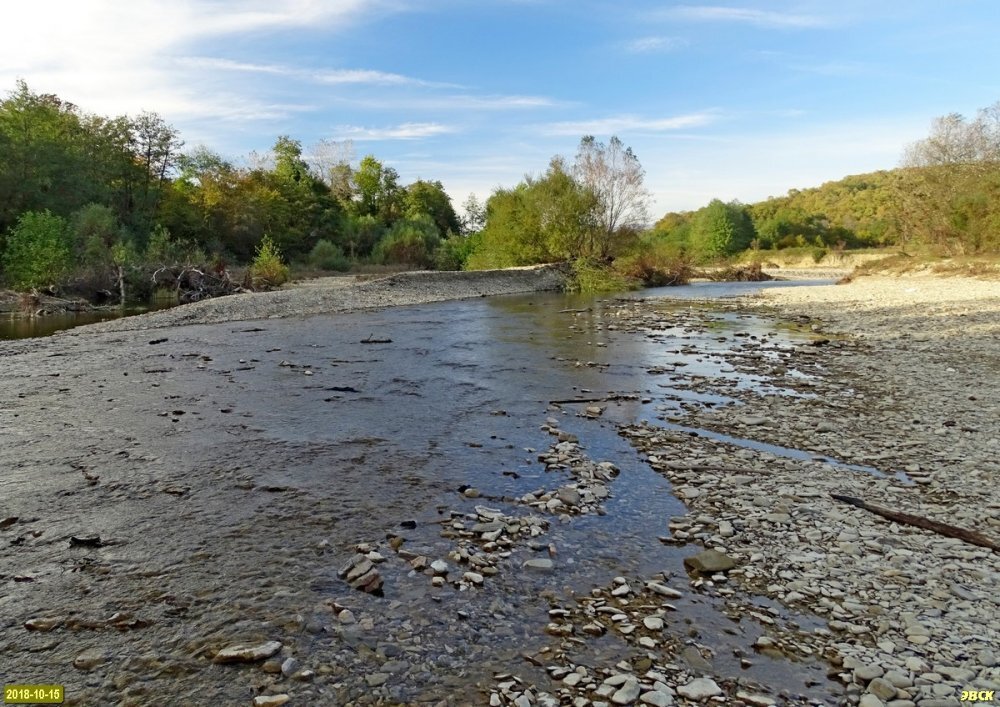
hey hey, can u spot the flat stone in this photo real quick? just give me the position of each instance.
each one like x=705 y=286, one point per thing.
x=710 y=562
x=882 y=689
x=756 y=699
x=653 y=623
x=752 y=420
x=866 y=673
x=247 y=653
x=699 y=689
x=376 y=679
x=270 y=700
x=870 y=700
x=540 y=564
x=657 y=699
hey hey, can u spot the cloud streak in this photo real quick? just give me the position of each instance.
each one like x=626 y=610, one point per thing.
x=370 y=77
x=405 y=131
x=654 y=45
x=630 y=124
x=760 y=18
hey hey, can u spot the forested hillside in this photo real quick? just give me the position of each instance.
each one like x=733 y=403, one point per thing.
x=946 y=196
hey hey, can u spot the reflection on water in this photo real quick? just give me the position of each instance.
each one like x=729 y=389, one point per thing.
x=29 y=327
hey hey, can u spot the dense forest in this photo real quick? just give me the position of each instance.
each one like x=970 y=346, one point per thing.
x=92 y=204
x=85 y=199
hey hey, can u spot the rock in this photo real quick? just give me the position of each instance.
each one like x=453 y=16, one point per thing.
x=270 y=700
x=439 y=567
x=752 y=420
x=699 y=689
x=870 y=700
x=247 y=653
x=627 y=693
x=473 y=577
x=346 y=616
x=90 y=659
x=882 y=689
x=866 y=673
x=540 y=564
x=693 y=657
x=653 y=623
x=710 y=562
x=571 y=497
x=756 y=699
x=376 y=679
x=663 y=590
x=657 y=699
x=43 y=624
x=289 y=667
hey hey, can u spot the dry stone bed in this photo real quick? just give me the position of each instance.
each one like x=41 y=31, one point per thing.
x=910 y=616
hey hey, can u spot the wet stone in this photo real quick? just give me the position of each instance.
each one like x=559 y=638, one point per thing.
x=247 y=653
x=710 y=562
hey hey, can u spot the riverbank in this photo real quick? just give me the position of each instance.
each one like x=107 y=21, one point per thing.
x=903 y=378
x=349 y=294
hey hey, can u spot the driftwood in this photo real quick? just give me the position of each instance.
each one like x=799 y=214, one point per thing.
x=604 y=399
x=949 y=531
x=372 y=340
x=192 y=284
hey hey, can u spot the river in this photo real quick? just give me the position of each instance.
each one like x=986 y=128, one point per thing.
x=229 y=470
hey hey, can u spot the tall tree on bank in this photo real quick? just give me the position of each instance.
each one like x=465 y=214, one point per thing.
x=612 y=172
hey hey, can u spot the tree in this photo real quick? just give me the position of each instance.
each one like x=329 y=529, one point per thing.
x=430 y=198
x=377 y=190
x=156 y=146
x=721 y=229
x=613 y=173
x=956 y=141
x=37 y=250
x=475 y=215
x=540 y=220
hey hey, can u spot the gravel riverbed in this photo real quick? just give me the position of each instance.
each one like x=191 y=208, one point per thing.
x=250 y=515
x=903 y=377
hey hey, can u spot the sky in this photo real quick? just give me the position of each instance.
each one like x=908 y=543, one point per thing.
x=730 y=100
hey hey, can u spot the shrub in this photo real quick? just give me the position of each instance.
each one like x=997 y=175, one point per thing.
x=411 y=241
x=590 y=276
x=328 y=256
x=268 y=270
x=37 y=252
x=454 y=252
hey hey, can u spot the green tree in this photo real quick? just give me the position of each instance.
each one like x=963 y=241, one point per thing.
x=540 y=220
x=430 y=198
x=721 y=229
x=37 y=251
x=377 y=191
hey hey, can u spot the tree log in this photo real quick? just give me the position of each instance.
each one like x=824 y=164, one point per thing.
x=949 y=531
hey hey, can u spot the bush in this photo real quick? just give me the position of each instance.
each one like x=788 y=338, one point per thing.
x=656 y=266
x=411 y=241
x=454 y=252
x=590 y=276
x=268 y=270
x=328 y=256
x=37 y=252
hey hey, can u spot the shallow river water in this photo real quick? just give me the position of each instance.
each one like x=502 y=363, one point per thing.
x=230 y=469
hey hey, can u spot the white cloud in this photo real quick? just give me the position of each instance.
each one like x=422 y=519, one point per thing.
x=406 y=131
x=117 y=57
x=369 y=77
x=630 y=123
x=761 y=18
x=654 y=45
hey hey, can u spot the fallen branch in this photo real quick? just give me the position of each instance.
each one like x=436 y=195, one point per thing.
x=604 y=399
x=949 y=531
x=371 y=340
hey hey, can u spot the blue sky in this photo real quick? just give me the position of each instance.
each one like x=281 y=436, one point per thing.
x=736 y=100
